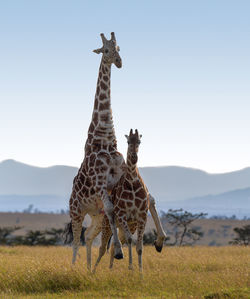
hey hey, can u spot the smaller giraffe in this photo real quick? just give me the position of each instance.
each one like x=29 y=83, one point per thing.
x=130 y=198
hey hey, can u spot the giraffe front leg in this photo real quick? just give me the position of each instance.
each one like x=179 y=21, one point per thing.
x=161 y=236
x=122 y=219
x=139 y=244
x=130 y=261
x=109 y=211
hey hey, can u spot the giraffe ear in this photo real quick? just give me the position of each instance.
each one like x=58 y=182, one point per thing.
x=98 y=51
x=126 y=136
x=140 y=136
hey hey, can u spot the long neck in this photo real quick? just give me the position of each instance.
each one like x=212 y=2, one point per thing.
x=131 y=166
x=101 y=129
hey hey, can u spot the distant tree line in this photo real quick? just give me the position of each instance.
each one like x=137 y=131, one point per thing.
x=47 y=237
x=233 y=217
x=181 y=232
x=32 y=210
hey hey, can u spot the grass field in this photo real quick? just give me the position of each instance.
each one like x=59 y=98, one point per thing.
x=198 y=272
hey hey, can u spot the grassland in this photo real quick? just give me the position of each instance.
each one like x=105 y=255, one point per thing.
x=199 y=272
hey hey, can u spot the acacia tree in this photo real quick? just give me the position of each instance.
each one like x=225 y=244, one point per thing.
x=181 y=222
x=243 y=236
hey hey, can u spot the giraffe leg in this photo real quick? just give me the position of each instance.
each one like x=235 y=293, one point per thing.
x=77 y=229
x=111 y=262
x=123 y=241
x=161 y=236
x=139 y=243
x=125 y=233
x=90 y=234
x=109 y=211
x=77 y=215
x=130 y=260
x=106 y=234
x=132 y=229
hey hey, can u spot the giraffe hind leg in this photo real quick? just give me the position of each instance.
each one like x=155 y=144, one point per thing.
x=77 y=230
x=106 y=234
x=92 y=232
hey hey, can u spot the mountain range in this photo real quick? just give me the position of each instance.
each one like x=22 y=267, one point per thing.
x=172 y=186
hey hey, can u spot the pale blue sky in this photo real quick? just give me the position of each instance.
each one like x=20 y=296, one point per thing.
x=185 y=81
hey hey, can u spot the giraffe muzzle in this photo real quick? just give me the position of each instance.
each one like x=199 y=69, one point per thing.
x=134 y=158
x=118 y=63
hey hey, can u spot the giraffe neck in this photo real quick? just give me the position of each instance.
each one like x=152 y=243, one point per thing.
x=101 y=130
x=131 y=167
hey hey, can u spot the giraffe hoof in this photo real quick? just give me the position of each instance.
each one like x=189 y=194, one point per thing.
x=119 y=256
x=157 y=247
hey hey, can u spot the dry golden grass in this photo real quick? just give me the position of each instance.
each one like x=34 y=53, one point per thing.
x=199 y=272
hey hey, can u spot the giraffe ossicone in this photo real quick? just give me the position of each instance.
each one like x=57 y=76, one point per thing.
x=110 y=50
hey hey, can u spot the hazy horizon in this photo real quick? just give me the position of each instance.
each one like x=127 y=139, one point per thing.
x=146 y=166
x=184 y=83
x=173 y=187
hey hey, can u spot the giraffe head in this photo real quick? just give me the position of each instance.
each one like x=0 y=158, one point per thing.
x=134 y=140
x=110 y=51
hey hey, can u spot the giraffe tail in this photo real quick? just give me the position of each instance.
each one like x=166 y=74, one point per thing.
x=68 y=234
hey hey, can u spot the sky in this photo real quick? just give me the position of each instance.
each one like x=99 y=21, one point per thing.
x=184 y=84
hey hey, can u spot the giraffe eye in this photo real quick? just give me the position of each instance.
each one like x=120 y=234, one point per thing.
x=106 y=51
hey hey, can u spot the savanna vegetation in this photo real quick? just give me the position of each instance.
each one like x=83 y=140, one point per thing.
x=215 y=232
x=178 y=272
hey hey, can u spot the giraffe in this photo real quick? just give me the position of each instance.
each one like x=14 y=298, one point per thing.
x=89 y=192
x=102 y=166
x=130 y=198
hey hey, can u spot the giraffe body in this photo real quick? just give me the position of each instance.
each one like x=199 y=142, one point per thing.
x=130 y=198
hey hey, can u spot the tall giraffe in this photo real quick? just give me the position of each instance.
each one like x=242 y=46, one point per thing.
x=103 y=165
x=131 y=203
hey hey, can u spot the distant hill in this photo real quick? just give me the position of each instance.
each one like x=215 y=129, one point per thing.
x=22 y=179
x=52 y=186
x=172 y=183
x=235 y=202
x=41 y=203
